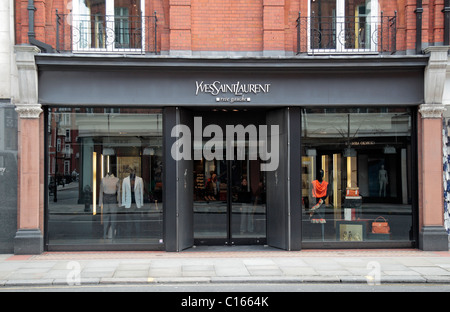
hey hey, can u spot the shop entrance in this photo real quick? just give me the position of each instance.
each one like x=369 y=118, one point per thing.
x=229 y=197
x=232 y=190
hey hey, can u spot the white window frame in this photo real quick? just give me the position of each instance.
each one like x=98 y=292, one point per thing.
x=66 y=167
x=65 y=119
x=372 y=16
x=79 y=17
x=67 y=150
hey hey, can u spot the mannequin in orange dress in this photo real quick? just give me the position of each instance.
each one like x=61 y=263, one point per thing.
x=319 y=192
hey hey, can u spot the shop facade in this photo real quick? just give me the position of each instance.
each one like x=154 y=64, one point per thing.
x=208 y=153
x=167 y=143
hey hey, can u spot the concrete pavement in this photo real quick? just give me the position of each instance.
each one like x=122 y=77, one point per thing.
x=249 y=264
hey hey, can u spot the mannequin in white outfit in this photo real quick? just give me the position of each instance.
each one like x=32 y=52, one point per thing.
x=132 y=191
x=132 y=199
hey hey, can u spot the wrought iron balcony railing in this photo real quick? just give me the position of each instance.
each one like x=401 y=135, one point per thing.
x=346 y=35
x=106 y=33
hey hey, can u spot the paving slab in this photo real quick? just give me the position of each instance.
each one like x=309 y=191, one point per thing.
x=227 y=266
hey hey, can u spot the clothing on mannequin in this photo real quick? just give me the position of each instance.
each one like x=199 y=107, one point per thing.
x=109 y=186
x=132 y=191
x=211 y=187
x=319 y=192
x=133 y=199
x=109 y=202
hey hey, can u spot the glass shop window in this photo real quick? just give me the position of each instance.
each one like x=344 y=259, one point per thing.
x=356 y=174
x=106 y=186
x=8 y=175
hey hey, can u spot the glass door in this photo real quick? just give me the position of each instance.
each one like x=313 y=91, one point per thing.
x=359 y=30
x=229 y=197
x=343 y=26
x=210 y=202
x=323 y=14
x=108 y=26
x=129 y=25
x=248 y=202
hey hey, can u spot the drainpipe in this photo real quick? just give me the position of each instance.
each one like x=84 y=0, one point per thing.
x=446 y=12
x=31 y=34
x=419 y=11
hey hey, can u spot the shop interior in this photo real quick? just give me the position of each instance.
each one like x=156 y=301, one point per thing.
x=356 y=175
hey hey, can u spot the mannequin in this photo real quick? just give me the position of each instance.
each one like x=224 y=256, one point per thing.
x=132 y=198
x=132 y=190
x=383 y=179
x=211 y=187
x=110 y=201
x=319 y=192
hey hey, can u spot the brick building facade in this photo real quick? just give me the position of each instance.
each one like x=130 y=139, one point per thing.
x=350 y=90
x=234 y=26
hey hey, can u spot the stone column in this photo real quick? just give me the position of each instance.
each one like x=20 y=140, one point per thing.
x=432 y=235
x=29 y=238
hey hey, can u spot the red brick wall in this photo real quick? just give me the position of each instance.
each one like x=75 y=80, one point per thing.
x=44 y=19
x=226 y=25
x=436 y=21
x=236 y=25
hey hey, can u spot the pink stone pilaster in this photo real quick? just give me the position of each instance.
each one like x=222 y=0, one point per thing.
x=29 y=238
x=432 y=196
x=29 y=174
x=432 y=235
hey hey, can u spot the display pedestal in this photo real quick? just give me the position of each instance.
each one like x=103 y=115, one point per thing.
x=352 y=207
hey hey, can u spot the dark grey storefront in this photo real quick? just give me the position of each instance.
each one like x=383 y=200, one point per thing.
x=8 y=175
x=275 y=90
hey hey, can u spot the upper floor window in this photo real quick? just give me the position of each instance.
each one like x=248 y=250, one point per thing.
x=343 y=26
x=68 y=136
x=108 y=25
x=111 y=110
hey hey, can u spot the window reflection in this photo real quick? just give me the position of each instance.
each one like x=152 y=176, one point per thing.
x=356 y=171
x=105 y=183
x=8 y=175
x=344 y=25
x=107 y=24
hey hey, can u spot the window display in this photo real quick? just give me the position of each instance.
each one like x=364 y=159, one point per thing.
x=105 y=187
x=356 y=174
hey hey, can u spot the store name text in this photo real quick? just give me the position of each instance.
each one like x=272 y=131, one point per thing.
x=238 y=90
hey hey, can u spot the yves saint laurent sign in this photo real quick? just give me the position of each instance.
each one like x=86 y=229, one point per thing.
x=231 y=92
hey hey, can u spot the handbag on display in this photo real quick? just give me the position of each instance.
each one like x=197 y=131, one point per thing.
x=380 y=227
x=352 y=191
